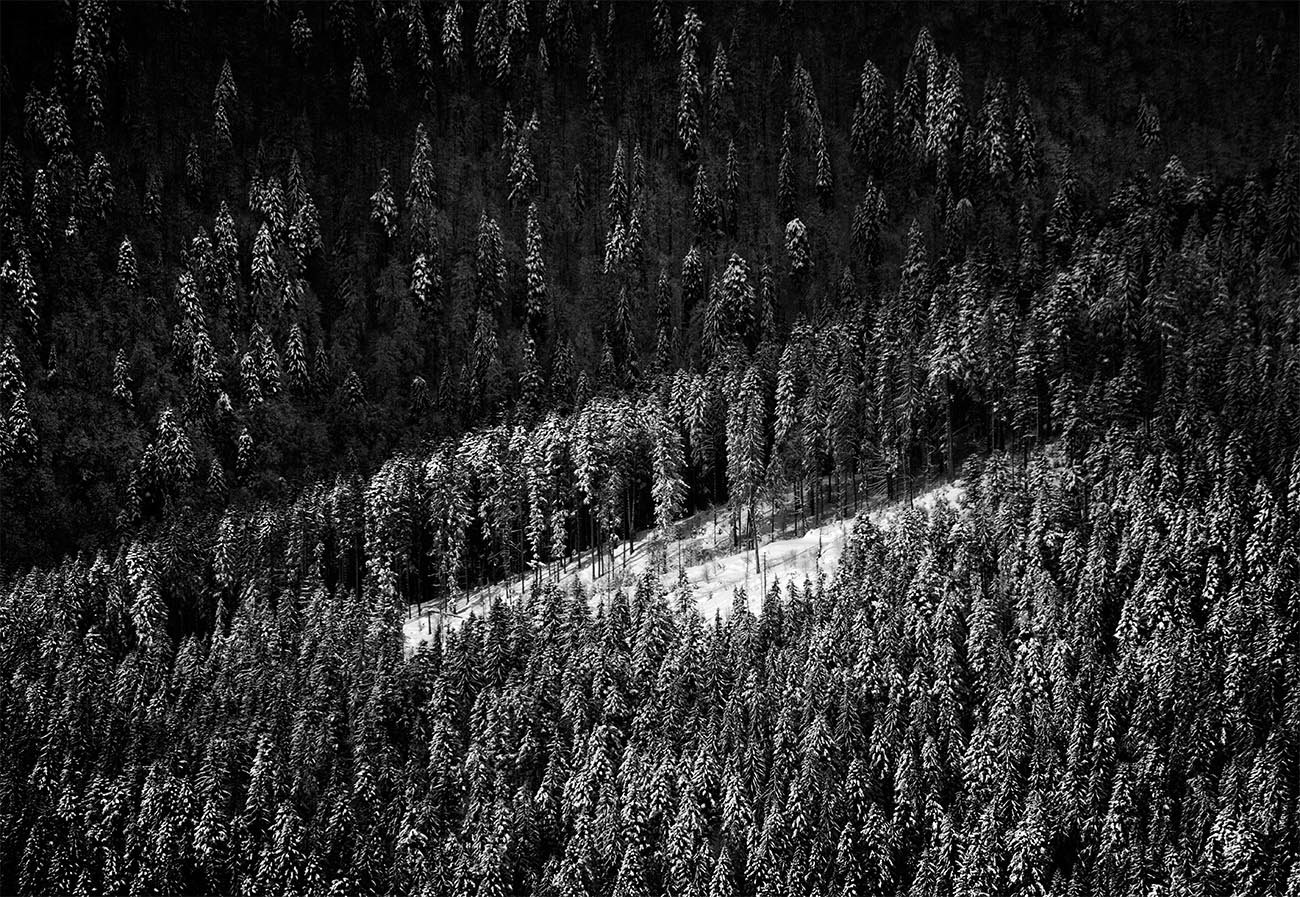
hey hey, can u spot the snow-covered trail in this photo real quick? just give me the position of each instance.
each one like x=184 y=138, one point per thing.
x=714 y=574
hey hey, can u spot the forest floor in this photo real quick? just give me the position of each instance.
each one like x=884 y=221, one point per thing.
x=705 y=547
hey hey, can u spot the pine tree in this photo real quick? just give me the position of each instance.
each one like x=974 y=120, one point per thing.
x=516 y=34
x=530 y=378
x=694 y=286
x=358 y=87
x=19 y=279
x=1284 y=204
x=126 y=267
x=1062 y=220
x=868 y=221
x=825 y=177
x=1026 y=139
x=722 y=882
x=426 y=282
x=738 y=300
x=99 y=186
x=663 y=29
x=944 y=112
x=352 y=392
x=871 y=119
x=304 y=229
x=664 y=336
x=626 y=336
x=731 y=188
x=483 y=372
x=383 y=209
x=420 y=398
x=268 y=361
x=1148 y=124
x=487 y=37
x=194 y=166
x=244 y=453
x=20 y=440
x=689 y=91
x=223 y=100
x=785 y=185
x=746 y=435
x=522 y=177
x=174 y=451
x=595 y=84
x=266 y=275
x=215 y=485
x=88 y=55
x=535 y=272
x=121 y=385
x=797 y=249
x=451 y=35
x=12 y=383
x=154 y=195
x=295 y=359
x=704 y=207
x=421 y=195
x=489 y=266
x=994 y=143
x=42 y=207
x=720 y=86
x=250 y=382
x=11 y=192
x=300 y=33
x=619 y=205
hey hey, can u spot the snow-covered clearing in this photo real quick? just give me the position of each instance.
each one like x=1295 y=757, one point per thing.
x=714 y=573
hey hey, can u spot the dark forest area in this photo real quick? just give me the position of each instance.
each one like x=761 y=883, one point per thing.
x=315 y=312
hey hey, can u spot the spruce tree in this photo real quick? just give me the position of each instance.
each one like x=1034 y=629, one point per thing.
x=489 y=266
x=785 y=183
x=383 y=208
x=535 y=272
x=422 y=195
x=689 y=91
x=358 y=87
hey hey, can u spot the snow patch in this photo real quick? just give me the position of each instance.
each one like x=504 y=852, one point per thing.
x=714 y=575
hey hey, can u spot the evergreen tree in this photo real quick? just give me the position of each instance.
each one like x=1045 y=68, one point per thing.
x=871 y=119
x=535 y=272
x=785 y=189
x=522 y=176
x=1148 y=124
x=422 y=196
x=358 y=87
x=383 y=208
x=489 y=266
x=796 y=248
x=121 y=377
x=689 y=91
x=1026 y=138
x=126 y=266
x=669 y=486
x=451 y=35
x=704 y=207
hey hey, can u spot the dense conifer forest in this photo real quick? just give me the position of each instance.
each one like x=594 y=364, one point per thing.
x=315 y=312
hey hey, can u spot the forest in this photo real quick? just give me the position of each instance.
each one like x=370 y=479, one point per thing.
x=317 y=312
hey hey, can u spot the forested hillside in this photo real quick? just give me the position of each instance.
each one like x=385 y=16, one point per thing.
x=249 y=246
x=316 y=311
x=1086 y=683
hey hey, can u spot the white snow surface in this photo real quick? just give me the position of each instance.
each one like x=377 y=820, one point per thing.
x=715 y=574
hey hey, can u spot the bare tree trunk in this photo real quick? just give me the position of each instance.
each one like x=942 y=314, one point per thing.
x=948 y=433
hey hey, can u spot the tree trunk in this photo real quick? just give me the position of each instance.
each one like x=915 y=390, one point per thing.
x=948 y=431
